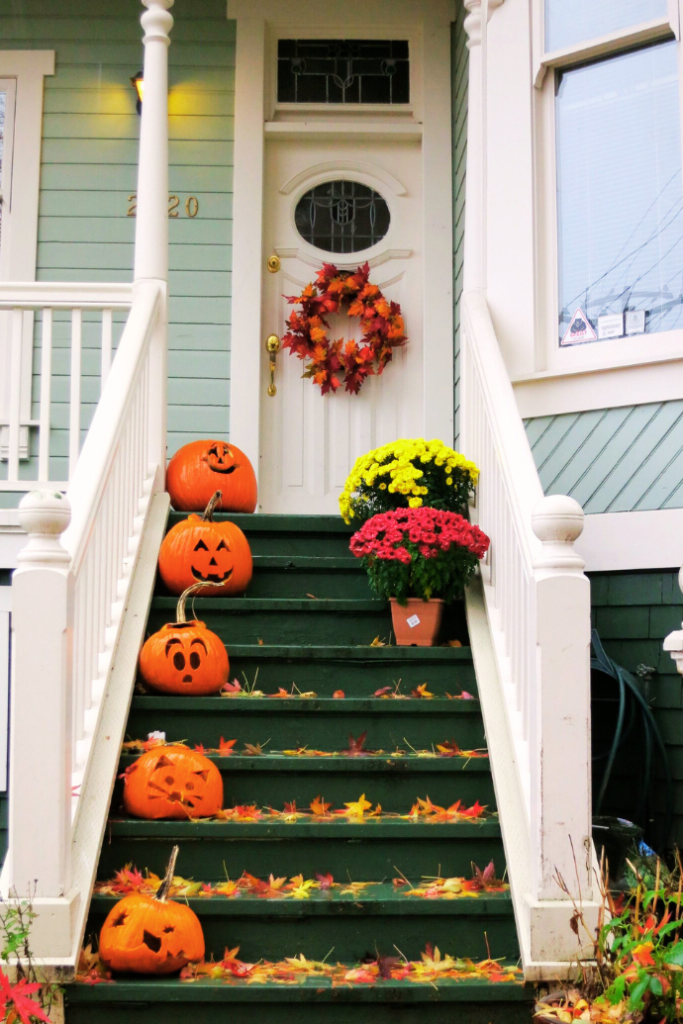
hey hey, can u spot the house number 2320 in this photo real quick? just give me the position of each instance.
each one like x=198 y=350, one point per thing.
x=191 y=206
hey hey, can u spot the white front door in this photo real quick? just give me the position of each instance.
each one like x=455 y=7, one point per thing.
x=310 y=441
x=391 y=144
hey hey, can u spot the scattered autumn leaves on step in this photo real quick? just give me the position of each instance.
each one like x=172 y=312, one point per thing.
x=355 y=749
x=130 y=880
x=432 y=967
x=420 y=692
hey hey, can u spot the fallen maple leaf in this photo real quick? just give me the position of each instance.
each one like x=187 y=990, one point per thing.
x=232 y=687
x=225 y=747
x=255 y=749
x=17 y=996
x=339 y=695
x=355 y=748
x=384 y=691
x=200 y=748
x=357 y=808
x=378 y=643
x=326 y=881
x=318 y=806
x=421 y=691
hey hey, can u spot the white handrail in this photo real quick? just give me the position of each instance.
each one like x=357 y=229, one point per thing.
x=537 y=602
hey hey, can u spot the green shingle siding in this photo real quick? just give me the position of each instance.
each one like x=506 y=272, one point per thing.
x=459 y=106
x=613 y=460
x=633 y=612
x=89 y=165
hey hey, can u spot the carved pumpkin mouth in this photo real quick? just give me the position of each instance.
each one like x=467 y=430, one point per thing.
x=187 y=679
x=222 y=469
x=211 y=577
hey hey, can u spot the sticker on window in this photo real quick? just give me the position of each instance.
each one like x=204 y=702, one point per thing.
x=579 y=330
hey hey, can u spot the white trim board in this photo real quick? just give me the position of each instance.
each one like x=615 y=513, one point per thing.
x=616 y=541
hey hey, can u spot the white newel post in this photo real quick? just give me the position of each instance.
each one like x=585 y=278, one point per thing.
x=560 y=747
x=151 y=226
x=41 y=715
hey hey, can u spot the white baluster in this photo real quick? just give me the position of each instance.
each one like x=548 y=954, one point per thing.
x=45 y=393
x=15 y=395
x=75 y=390
x=40 y=733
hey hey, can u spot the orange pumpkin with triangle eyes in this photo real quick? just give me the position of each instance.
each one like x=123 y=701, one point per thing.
x=172 y=782
x=184 y=657
x=199 y=550
x=198 y=468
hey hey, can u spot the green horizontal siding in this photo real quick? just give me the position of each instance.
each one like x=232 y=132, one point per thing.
x=460 y=67
x=613 y=460
x=89 y=165
x=633 y=612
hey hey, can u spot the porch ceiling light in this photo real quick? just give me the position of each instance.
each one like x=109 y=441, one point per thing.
x=138 y=83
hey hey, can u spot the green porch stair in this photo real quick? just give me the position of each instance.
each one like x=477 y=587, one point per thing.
x=307 y=626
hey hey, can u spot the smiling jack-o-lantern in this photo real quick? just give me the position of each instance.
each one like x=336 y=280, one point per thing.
x=199 y=550
x=185 y=657
x=151 y=934
x=198 y=468
x=172 y=782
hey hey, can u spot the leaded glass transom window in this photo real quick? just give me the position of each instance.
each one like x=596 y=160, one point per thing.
x=343 y=71
x=342 y=216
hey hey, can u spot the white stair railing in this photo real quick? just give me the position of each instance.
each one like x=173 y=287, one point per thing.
x=535 y=681
x=80 y=607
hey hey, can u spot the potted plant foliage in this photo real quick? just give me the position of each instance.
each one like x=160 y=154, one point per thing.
x=419 y=558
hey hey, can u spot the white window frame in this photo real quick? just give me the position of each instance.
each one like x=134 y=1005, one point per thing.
x=27 y=68
x=551 y=360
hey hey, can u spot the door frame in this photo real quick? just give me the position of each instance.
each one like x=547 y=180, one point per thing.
x=259 y=24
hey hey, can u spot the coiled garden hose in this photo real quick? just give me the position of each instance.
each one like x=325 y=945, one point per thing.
x=627 y=716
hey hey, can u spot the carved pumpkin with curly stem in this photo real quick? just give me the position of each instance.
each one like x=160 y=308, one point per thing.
x=172 y=782
x=199 y=550
x=198 y=468
x=151 y=934
x=184 y=657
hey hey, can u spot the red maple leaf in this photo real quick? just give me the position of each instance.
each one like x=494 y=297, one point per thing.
x=16 y=997
x=356 y=746
x=225 y=747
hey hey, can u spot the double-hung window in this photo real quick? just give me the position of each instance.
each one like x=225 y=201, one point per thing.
x=610 y=76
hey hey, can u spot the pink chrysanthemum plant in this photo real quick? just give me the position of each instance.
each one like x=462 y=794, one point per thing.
x=419 y=552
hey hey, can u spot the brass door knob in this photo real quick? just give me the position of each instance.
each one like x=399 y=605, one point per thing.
x=273 y=264
x=272 y=348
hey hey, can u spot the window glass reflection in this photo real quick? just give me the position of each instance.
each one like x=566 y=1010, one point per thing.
x=568 y=22
x=620 y=202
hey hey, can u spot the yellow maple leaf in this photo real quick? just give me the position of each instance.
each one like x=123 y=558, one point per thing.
x=357 y=809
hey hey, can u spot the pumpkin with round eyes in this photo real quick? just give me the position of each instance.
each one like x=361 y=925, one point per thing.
x=198 y=468
x=151 y=934
x=184 y=657
x=199 y=550
x=172 y=782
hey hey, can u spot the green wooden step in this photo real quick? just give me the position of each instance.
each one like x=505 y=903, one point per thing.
x=245 y=620
x=394 y=782
x=323 y=536
x=388 y=1002
x=302 y=575
x=358 y=670
x=322 y=723
x=372 y=850
x=354 y=925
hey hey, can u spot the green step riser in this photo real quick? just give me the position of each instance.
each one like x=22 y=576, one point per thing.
x=289 y=626
x=318 y=731
x=356 y=679
x=392 y=1012
x=375 y=860
x=335 y=583
x=396 y=790
x=351 y=938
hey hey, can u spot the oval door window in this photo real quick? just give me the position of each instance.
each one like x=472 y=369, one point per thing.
x=342 y=216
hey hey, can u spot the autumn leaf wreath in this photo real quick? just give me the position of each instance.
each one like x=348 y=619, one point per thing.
x=308 y=336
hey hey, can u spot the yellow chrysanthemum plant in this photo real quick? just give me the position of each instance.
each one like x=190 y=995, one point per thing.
x=408 y=473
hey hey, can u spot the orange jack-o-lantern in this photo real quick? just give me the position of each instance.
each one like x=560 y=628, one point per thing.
x=198 y=468
x=185 y=657
x=151 y=934
x=199 y=550
x=172 y=782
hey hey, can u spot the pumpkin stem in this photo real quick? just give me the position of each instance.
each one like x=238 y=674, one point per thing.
x=207 y=514
x=163 y=890
x=181 y=617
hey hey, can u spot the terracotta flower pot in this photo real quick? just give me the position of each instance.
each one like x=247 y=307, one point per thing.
x=416 y=624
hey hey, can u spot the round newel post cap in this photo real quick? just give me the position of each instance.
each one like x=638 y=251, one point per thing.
x=45 y=515
x=558 y=521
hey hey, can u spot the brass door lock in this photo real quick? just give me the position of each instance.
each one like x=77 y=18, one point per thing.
x=273 y=264
x=272 y=348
